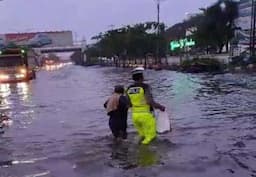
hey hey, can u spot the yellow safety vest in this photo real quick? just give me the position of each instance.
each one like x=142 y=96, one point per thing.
x=138 y=100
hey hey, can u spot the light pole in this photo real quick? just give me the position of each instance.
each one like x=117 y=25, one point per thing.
x=158 y=60
x=253 y=25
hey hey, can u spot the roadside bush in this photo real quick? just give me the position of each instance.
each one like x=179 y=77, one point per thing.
x=239 y=61
x=201 y=65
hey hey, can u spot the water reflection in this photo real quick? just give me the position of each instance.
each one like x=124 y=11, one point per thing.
x=16 y=102
x=5 y=91
x=24 y=91
x=56 y=66
x=128 y=156
x=8 y=91
x=147 y=157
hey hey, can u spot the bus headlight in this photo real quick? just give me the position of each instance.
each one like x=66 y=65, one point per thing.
x=19 y=76
x=23 y=71
x=4 y=77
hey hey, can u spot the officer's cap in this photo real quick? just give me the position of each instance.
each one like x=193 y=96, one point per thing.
x=138 y=70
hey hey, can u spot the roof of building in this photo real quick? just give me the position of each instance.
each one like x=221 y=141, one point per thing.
x=33 y=33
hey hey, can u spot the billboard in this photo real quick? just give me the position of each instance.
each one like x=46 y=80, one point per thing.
x=38 y=39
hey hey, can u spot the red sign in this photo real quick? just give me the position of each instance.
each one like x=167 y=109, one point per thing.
x=19 y=37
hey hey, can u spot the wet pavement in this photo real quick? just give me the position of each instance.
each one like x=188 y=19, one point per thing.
x=61 y=129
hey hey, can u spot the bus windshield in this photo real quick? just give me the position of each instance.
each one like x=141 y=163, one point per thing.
x=11 y=61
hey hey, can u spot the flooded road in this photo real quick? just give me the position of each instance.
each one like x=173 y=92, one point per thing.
x=61 y=129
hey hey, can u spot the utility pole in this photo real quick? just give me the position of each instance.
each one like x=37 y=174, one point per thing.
x=158 y=60
x=253 y=28
x=250 y=44
x=158 y=32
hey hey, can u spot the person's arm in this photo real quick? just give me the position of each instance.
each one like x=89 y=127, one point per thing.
x=151 y=101
x=128 y=101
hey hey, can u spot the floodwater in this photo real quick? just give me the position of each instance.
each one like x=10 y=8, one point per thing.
x=61 y=129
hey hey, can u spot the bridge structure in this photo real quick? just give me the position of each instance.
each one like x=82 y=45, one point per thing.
x=78 y=56
x=73 y=48
x=48 y=42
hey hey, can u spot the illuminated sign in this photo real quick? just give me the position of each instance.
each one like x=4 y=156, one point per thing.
x=182 y=43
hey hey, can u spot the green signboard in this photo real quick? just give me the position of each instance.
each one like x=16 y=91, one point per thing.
x=182 y=43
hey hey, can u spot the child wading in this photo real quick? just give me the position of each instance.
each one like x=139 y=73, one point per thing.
x=117 y=108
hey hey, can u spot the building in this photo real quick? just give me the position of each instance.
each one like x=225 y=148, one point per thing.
x=243 y=24
x=245 y=11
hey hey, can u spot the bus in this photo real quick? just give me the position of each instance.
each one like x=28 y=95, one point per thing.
x=17 y=65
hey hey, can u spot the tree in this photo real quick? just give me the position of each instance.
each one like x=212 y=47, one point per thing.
x=129 y=41
x=215 y=26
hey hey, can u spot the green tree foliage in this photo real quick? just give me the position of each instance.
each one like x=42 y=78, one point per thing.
x=129 y=41
x=215 y=25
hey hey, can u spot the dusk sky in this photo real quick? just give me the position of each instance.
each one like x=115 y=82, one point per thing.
x=87 y=18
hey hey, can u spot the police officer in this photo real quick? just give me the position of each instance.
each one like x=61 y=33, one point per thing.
x=143 y=106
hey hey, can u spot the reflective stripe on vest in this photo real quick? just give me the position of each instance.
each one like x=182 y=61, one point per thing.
x=138 y=100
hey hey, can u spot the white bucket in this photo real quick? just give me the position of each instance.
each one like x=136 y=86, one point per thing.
x=163 y=124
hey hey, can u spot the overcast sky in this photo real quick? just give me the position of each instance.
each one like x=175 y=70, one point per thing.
x=87 y=18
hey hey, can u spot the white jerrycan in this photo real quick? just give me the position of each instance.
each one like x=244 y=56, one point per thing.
x=163 y=124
